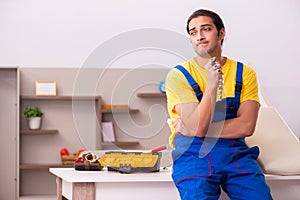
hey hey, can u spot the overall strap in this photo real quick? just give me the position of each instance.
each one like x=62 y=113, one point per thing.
x=191 y=81
x=239 y=80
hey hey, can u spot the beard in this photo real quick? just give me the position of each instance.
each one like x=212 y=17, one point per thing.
x=205 y=52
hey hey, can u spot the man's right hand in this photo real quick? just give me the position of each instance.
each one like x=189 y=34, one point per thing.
x=213 y=69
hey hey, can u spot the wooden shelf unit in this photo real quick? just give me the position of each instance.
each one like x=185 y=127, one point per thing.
x=124 y=109
x=28 y=167
x=31 y=173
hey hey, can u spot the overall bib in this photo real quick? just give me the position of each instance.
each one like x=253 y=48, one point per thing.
x=202 y=166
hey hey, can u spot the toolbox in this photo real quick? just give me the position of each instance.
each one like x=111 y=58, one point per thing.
x=130 y=162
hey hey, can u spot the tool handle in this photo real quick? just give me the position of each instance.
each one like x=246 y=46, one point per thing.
x=158 y=149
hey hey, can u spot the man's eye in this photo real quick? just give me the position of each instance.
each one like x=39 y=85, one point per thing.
x=207 y=29
x=192 y=33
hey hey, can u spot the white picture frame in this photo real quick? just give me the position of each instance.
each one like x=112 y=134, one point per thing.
x=108 y=134
x=45 y=88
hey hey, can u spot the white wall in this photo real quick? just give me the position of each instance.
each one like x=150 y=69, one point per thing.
x=55 y=33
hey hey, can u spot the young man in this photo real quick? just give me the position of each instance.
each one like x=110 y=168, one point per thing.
x=213 y=103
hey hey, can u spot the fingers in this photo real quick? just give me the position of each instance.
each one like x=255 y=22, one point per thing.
x=215 y=65
x=212 y=59
x=179 y=126
x=176 y=123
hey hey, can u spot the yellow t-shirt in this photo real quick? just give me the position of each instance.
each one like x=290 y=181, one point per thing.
x=179 y=91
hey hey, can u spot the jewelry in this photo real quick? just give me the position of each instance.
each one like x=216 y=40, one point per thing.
x=221 y=83
x=221 y=78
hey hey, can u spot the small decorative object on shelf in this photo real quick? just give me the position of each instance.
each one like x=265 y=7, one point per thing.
x=108 y=133
x=34 y=117
x=162 y=87
x=45 y=88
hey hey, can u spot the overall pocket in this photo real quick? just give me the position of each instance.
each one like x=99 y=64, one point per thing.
x=244 y=158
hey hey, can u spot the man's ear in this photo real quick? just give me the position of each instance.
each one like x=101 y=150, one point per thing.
x=222 y=34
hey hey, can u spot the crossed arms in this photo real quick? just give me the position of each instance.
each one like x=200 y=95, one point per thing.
x=193 y=121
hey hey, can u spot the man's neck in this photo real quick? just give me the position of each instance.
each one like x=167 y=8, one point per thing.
x=201 y=61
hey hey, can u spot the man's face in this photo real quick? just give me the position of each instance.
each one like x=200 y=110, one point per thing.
x=204 y=36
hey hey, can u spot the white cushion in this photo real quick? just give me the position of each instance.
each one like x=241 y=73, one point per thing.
x=279 y=148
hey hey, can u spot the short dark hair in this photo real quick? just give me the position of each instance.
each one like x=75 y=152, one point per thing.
x=214 y=16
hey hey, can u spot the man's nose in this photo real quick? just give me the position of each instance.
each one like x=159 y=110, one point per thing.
x=199 y=36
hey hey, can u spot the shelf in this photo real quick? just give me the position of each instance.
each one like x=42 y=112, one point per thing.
x=151 y=94
x=44 y=166
x=39 y=132
x=60 y=97
x=120 y=144
x=38 y=197
x=120 y=110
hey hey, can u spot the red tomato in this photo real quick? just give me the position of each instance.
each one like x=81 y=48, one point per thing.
x=80 y=151
x=64 y=152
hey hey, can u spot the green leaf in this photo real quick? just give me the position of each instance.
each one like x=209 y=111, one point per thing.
x=30 y=112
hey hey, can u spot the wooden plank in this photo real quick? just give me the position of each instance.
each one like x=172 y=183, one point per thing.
x=84 y=191
x=120 y=110
x=38 y=197
x=39 y=132
x=110 y=107
x=151 y=94
x=59 y=188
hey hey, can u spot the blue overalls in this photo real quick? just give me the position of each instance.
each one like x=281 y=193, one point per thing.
x=202 y=166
